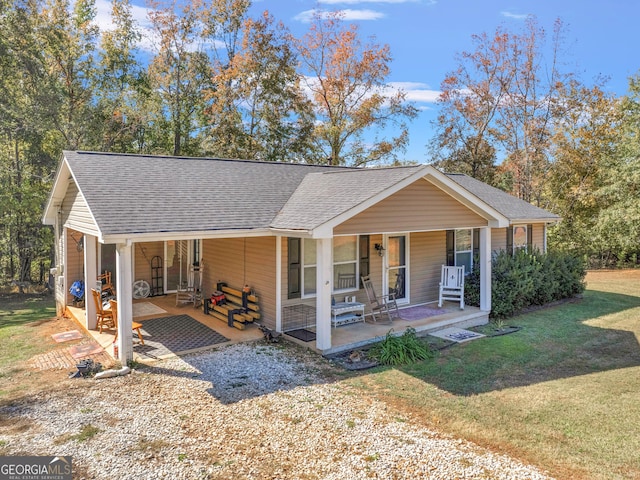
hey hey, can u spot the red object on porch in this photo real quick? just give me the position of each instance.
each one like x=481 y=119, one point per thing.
x=218 y=298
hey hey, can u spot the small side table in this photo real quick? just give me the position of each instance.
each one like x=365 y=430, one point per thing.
x=344 y=313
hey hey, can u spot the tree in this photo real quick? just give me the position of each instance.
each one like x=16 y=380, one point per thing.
x=469 y=105
x=25 y=121
x=618 y=222
x=121 y=83
x=503 y=95
x=178 y=72
x=346 y=81
x=584 y=147
x=69 y=47
x=257 y=109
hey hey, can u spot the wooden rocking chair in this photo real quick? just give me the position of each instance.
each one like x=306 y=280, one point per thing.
x=105 y=316
x=135 y=326
x=380 y=306
x=452 y=285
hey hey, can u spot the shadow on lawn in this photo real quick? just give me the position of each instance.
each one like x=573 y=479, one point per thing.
x=594 y=334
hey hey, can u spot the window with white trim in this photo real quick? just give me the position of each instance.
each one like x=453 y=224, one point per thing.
x=464 y=249
x=346 y=265
x=520 y=238
x=308 y=267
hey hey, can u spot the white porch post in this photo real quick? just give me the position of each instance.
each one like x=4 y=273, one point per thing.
x=125 y=307
x=485 y=269
x=90 y=279
x=324 y=287
x=279 y=284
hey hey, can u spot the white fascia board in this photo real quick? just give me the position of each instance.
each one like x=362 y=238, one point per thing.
x=57 y=193
x=204 y=235
x=289 y=232
x=549 y=220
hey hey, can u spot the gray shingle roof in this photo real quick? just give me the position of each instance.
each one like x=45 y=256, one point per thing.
x=511 y=207
x=146 y=194
x=323 y=196
x=138 y=194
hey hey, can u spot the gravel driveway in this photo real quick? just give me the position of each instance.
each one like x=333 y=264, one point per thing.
x=248 y=411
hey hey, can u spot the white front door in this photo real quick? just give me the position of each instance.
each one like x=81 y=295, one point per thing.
x=397 y=266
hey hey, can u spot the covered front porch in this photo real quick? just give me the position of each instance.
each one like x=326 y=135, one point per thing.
x=425 y=318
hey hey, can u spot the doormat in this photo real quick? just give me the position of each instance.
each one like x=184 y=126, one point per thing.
x=67 y=336
x=144 y=309
x=302 y=334
x=457 y=335
x=420 y=312
x=175 y=334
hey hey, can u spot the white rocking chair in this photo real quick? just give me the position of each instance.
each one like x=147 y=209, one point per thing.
x=452 y=285
x=192 y=291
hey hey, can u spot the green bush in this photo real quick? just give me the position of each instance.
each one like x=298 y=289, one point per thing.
x=401 y=350
x=525 y=279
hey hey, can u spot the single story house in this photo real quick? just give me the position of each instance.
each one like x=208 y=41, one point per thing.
x=289 y=231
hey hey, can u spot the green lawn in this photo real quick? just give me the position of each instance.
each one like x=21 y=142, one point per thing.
x=22 y=318
x=563 y=393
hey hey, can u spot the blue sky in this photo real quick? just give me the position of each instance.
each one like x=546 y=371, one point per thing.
x=425 y=36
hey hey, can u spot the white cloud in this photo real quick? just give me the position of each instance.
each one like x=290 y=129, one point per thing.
x=103 y=15
x=347 y=14
x=417 y=92
x=516 y=16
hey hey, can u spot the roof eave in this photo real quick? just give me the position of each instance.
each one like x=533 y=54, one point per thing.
x=57 y=193
x=189 y=235
x=555 y=219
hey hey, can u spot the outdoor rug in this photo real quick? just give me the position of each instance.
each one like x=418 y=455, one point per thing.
x=302 y=334
x=144 y=309
x=457 y=335
x=420 y=312
x=171 y=335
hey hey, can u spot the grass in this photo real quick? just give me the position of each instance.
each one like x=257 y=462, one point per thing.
x=21 y=321
x=562 y=393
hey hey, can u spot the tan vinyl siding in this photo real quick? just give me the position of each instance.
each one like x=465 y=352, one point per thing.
x=498 y=239
x=144 y=252
x=428 y=254
x=75 y=262
x=239 y=261
x=538 y=236
x=75 y=212
x=419 y=207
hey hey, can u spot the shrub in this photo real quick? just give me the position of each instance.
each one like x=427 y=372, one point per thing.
x=401 y=350
x=525 y=279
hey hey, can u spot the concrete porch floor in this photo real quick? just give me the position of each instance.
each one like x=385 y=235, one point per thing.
x=168 y=304
x=343 y=338
x=356 y=335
